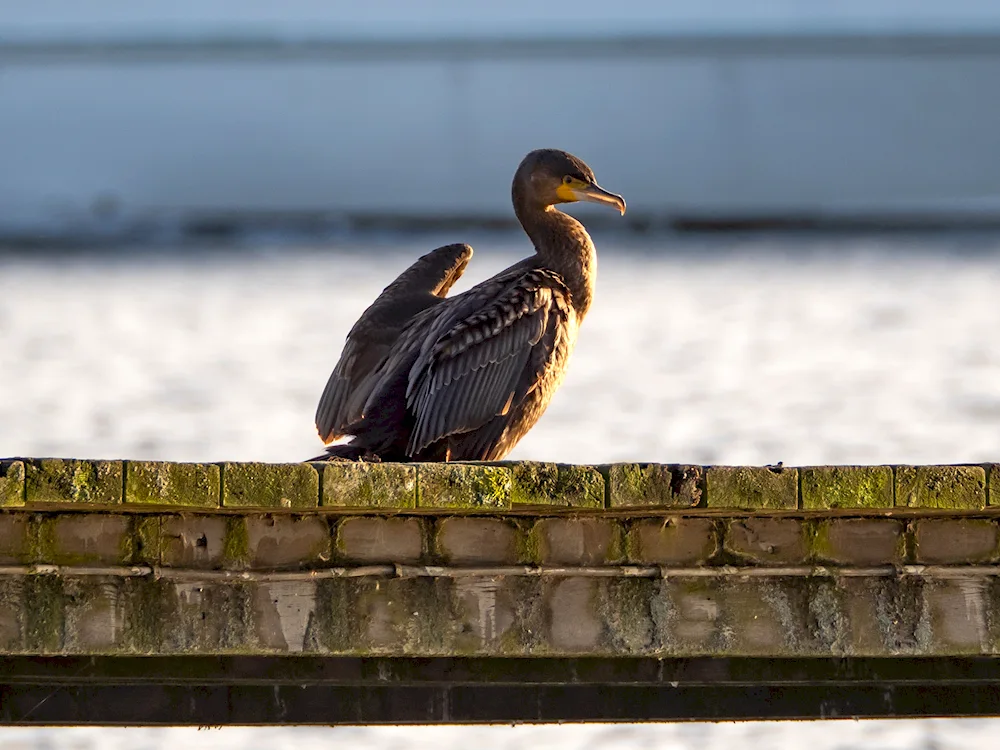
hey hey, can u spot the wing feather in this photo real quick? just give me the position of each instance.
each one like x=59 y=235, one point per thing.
x=424 y=284
x=468 y=373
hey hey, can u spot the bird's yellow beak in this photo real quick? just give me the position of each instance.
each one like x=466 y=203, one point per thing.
x=592 y=193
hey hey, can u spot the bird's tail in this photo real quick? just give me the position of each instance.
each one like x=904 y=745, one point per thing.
x=347 y=452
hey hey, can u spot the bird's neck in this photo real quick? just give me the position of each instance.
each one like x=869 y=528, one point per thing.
x=563 y=245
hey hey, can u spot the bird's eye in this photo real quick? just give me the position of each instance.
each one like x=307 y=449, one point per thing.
x=567 y=180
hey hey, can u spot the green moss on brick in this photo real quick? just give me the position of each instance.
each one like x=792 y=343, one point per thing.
x=463 y=486
x=45 y=621
x=364 y=485
x=144 y=540
x=752 y=487
x=148 y=604
x=269 y=486
x=11 y=483
x=56 y=480
x=529 y=546
x=336 y=625
x=654 y=485
x=84 y=539
x=563 y=485
x=165 y=483
x=994 y=482
x=846 y=487
x=951 y=487
x=236 y=548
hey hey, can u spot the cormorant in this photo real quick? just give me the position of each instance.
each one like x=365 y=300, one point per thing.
x=425 y=377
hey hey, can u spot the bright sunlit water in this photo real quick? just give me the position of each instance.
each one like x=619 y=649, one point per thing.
x=834 y=349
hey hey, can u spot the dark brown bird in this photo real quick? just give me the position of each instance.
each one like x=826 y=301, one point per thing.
x=425 y=377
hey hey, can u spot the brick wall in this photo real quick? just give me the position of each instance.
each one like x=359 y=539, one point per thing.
x=111 y=557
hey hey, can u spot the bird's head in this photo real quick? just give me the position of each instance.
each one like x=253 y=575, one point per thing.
x=549 y=176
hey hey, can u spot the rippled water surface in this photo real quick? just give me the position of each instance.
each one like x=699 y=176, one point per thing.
x=729 y=350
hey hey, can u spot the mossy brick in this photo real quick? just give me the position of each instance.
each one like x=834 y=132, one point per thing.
x=654 y=485
x=380 y=540
x=477 y=541
x=994 y=482
x=767 y=541
x=15 y=539
x=947 y=487
x=463 y=486
x=534 y=483
x=203 y=617
x=956 y=540
x=44 y=613
x=752 y=487
x=166 y=483
x=283 y=541
x=12 y=611
x=253 y=485
x=368 y=485
x=577 y=541
x=85 y=539
x=57 y=480
x=859 y=541
x=145 y=537
x=671 y=541
x=11 y=483
x=825 y=487
x=193 y=541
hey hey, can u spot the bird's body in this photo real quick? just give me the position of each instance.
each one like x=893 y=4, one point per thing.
x=424 y=377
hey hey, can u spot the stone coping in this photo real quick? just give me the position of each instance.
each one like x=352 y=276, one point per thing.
x=493 y=488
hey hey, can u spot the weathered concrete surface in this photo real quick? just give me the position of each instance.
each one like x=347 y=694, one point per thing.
x=497 y=615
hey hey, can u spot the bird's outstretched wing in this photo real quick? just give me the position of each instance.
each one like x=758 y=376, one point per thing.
x=422 y=285
x=470 y=370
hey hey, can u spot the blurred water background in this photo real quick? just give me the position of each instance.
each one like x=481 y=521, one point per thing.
x=731 y=349
x=197 y=199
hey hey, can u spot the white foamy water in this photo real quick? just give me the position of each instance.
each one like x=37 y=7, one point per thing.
x=753 y=350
